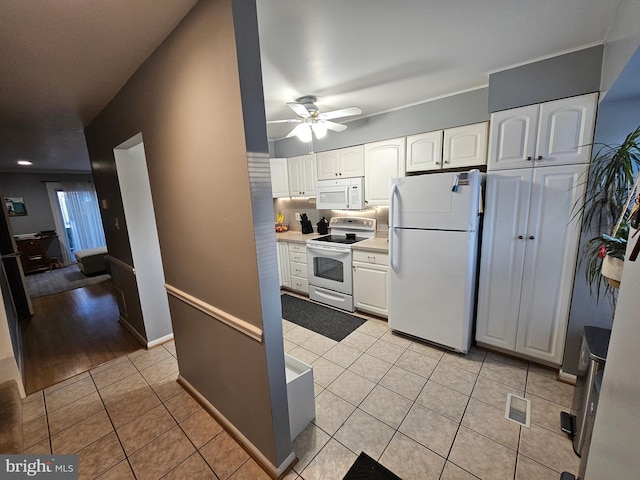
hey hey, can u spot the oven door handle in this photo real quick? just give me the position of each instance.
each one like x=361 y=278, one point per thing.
x=328 y=252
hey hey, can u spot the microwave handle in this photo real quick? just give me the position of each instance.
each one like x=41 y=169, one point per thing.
x=347 y=195
x=392 y=228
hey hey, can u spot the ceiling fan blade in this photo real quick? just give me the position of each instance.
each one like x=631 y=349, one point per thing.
x=299 y=109
x=336 y=127
x=296 y=131
x=343 y=112
x=291 y=120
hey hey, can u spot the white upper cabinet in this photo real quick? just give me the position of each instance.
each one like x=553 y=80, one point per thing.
x=341 y=163
x=552 y=133
x=465 y=146
x=383 y=161
x=279 y=177
x=565 y=131
x=451 y=148
x=424 y=152
x=513 y=135
x=302 y=175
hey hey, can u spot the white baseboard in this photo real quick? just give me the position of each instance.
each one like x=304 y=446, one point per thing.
x=567 y=377
x=133 y=331
x=272 y=470
x=160 y=341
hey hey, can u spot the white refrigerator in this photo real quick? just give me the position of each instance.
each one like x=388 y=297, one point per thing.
x=433 y=248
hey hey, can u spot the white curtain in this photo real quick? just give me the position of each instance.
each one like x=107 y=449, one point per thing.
x=84 y=215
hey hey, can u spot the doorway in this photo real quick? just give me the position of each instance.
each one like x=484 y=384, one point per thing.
x=135 y=190
x=76 y=214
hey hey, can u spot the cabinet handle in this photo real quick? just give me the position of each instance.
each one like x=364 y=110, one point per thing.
x=531 y=237
x=529 y=159
x=340 y=174
x=539 y=157
x=336 y=174
x=437 y=163
x=447 y=161
x=520 y=237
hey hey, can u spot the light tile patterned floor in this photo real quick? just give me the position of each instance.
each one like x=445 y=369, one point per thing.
x=422 y=412
x=426 y=413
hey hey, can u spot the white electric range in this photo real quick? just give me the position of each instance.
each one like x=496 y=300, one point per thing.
x=329 y=260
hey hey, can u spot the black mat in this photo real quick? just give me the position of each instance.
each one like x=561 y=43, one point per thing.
x=366 y=468
x=325 y=321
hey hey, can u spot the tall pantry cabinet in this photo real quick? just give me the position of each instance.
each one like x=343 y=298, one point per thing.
x=531 y=234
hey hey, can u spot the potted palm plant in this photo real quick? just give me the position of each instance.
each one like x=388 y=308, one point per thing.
x=612 y=179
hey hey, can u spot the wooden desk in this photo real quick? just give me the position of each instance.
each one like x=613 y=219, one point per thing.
x=33 y=252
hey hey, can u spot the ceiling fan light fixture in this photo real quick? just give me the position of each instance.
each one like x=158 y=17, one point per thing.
x=319 y=129
x=303 y=132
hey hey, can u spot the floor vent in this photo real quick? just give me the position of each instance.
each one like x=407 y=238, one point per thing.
x=518 y=410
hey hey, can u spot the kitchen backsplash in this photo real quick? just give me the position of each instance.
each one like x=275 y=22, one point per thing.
x=289 y=206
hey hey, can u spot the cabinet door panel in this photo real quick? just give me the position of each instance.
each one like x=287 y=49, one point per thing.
x=351 y=161
x=384 y=160
x=279 y=177
x=309 y=174
x=502 y=257
x=327 y=165
x=550 y=261
x=295 y=176
x=465 y=146
x=283 y=264
x=424 y=152
x=370 y=288
x=566 y=130
x=512 y=138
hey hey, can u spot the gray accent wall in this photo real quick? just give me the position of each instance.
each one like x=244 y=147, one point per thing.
x=32 y=187
x=207 y=165
x=567 y=75
x=456 y=110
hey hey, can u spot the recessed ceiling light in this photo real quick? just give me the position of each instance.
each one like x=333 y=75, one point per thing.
x=24 y=162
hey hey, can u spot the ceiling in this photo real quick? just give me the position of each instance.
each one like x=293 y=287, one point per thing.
x=62 y=61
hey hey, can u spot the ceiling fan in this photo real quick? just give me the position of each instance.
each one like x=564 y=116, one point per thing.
x=311 y=122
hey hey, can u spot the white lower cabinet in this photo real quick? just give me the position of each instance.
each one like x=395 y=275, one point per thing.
x=528 y=260
x=283 y=264
x=292 y=266
x=370 y=282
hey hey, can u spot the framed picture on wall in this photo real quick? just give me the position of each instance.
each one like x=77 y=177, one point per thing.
x=15 y=206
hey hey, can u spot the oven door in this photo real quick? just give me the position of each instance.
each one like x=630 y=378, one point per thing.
x=330 y=267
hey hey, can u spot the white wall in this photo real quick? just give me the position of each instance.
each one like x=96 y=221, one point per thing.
x=621 y=42
x=131 y=164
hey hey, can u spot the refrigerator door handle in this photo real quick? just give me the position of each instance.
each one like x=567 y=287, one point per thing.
x=392 y=229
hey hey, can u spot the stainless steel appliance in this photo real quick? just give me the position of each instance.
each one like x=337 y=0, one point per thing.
x=329 y=261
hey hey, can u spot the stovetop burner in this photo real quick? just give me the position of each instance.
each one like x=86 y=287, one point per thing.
x=348 y=238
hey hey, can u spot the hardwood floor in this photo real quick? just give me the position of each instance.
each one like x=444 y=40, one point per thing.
x=72 y=332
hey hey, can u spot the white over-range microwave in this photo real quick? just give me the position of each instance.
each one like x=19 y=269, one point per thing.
x=340 y=194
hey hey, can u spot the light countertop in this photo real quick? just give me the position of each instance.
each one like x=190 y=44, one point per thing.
x=295 y=236
x=376 y=244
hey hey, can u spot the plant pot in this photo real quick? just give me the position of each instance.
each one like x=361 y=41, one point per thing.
x=612 y=270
